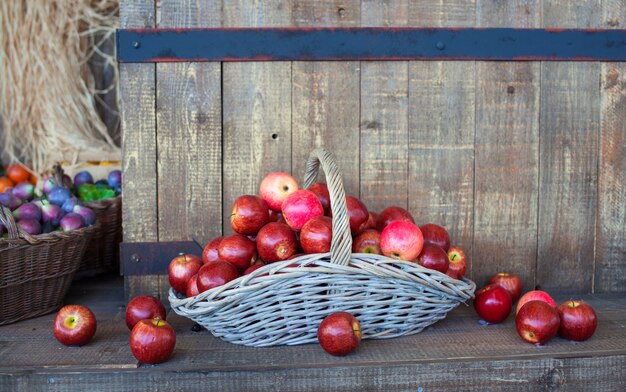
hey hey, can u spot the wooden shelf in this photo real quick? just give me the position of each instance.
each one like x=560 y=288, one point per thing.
x=457 y=353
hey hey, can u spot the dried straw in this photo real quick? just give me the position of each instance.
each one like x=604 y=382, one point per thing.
x=47 y=90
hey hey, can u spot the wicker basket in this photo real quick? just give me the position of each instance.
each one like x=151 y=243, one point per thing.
x=36 y=271
x=102 y=254
x=284 y=302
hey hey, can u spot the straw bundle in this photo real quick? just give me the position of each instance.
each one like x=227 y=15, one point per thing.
x=47 y=90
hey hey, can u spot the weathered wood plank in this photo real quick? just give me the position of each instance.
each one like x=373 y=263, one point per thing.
x=384 y=118
x=189 y=120
x=256 y=109
x=569 y=129
x=610 y=267
x=326 y=96
x=139 y=147
x=507 y=153
x=441 y=130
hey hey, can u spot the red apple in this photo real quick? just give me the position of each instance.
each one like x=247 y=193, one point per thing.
x=316 y=235
x=537 y=322
x=401 y=240
x=192 y=287
x=238 y=250
x=275 y=188
x=367 y=242
x=392 y=214
x=209 y=253
x=300 y=207
x=510 y=282
x=433 y=257
x=257 y=264
x=321 y=191
x=216 y=274
x=339 y=333
x=436 y=235
x=535 y=295
x=578 y=320
x=276 y=216
x=152 y=341
x=493 y=303
x=371 y=221
x=249 y=214
x=74 y=325
x=143 y=307
x=458 y=263
x=182 y=268
x=357 y=213
x=276 y=242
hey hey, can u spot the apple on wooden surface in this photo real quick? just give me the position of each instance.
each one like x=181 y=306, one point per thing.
x=152 y=341
x=535 y=295
x=578 y=320
x=510 y=282
x=493 y=303
x=143 y=307
x=74 y=325
x=339 y=333
x=537 y=322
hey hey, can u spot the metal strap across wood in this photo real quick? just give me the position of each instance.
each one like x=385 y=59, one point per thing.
x=368 y=43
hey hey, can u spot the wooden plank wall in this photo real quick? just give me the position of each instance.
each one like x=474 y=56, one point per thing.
x=523 y=162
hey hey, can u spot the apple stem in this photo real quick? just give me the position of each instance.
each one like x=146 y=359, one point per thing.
x=453 y=257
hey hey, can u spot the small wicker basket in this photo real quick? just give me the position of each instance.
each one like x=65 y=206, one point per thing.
x=285 y=302
x=36 y=271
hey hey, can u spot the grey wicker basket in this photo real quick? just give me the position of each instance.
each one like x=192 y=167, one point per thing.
x=283 y=303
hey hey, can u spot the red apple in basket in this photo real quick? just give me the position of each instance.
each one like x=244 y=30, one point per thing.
x=433 y=257
x=143 y=307
x=321 y=191
x=316 y=235
x=300 y=207
x=537 y=322
x=276 y=216
x=401 y=240
x=74 y=325
x=238 y=250
x=209 y=253
x=358 y=214
x=392 y=214
x=535 y=295
x=510 y=282
x=192 y=287
x=493 y=303
x=578 y=320
x=216 y=274
x=152 y=341
x=249 y=214
x=275 y=188
x=182 y=268
x=276 y=242
x=367 y=242
x=436 y=235
x=371 y=221
x=257 y=264
x=339 y=333
x=458 y=263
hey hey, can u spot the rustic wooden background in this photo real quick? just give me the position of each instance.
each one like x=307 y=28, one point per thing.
x=523 y=162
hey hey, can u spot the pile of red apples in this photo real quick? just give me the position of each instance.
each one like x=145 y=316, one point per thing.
x=537 y=316
x=284 y=222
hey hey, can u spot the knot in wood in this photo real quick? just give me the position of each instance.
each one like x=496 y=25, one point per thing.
x=554 y=379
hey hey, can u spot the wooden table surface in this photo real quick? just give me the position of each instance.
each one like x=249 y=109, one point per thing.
x=458 y=353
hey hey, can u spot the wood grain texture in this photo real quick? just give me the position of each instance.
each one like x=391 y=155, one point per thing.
x=568 y=171
x=189 y=120
x=326 y=96
x=507 y=153
x=256 y=109
x=610 y=269
x=384 y=118
x=139 y=146
x=441 y=130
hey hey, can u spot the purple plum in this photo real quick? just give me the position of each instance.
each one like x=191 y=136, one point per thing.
x=31 y=226
x=27 y=211
x=24 y=190
x=69 y=205
x=89 y=216
x=115 y=178
x=72 y=221
x=82 y=177
x=51 y=213
x=50 y=183
x=59 y=195
x=9 y=200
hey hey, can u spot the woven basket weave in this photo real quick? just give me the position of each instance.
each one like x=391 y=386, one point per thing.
x=285 y=302
x=36 y=271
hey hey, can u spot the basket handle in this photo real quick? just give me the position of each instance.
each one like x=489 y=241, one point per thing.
x=341 y=245
x=6 y=217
